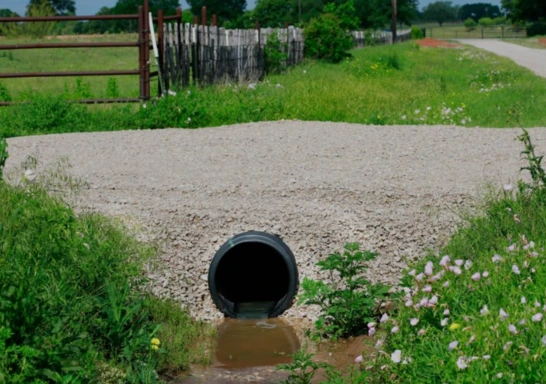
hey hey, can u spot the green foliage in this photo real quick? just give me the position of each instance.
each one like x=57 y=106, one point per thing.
x=326 y=40
x=272 y=13
x=536 y=29
x=36 y=30
x=476 y=11
x=61 y=7
x=470 y=23
x=348 y=307
x=416 y=33
x=303 y=369
x=346 y=13
x=226 y=10
x=440 y=11
x=486 y=22
x=530 y=10
x=3 y=156
x=112 y=90
x=275 y=54
x=4 y=93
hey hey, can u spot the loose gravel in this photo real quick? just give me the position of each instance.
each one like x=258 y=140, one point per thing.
x=394 y=189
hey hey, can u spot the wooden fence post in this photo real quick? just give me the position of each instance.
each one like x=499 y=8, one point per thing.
x=141 y=48
x=147 y=90
x=161 y=49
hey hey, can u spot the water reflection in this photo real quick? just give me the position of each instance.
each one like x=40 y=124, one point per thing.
x=254 y=343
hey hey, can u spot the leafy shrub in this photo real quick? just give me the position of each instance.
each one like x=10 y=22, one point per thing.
x=4 y=93
x=369 y=40
x=348 y=307
x=302 y=369
x=416 y=33
x=536 y=29
x=501 y=20
x=275 y=54
x=470 y=23
x=35 y=29
x=486 y=22
x=112 y=89
x=346 y=13
x=325 y=39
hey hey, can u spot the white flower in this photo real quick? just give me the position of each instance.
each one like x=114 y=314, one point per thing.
x=428 y=268
x=371 y=325
x=395 y=329
x=461 y=362
x=30 y=175
x=531 y=244
x=508 y=187
x=419 y=277
x=384 y=318
x=446 y=312
x=522 y=322
x=484 y=311
x=414 y=321
x=455 y=270
x=446 y=284
x=537 y=317
x=512 y=329
x=471 y=340
x=359 y=359
x=485 y=274
x=523 y=300
x=423 y=302
x=476 y=276
x=452 y=345
x=543 y=340
x=537 y=304
x=409 y=303
x=421 y=332
x=496 y=258
x=417 y=111
x=468 y=264
x=507 y=345
x=412 y=272
x=427 y=288
x=486 y=357
x=503 y=315
x=515 y=269
x=511 y=247
x=444 y=261
x=433 y=301
x=404 y=117
x=444 y=322
x=396 y=356
x=499 y=375
x=459 y=262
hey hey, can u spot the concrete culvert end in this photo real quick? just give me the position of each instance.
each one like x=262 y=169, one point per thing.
x=253 y=275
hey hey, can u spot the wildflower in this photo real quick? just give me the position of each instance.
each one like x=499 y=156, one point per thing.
x=499 y=375
x=404 y=117
x=423 y=302
x=471 y=340
x=155 y=343
x=515 y=269
x=452 y=345
x=371 y=331
x=516 y=219
x=427 y=288
x=507 y=346
x=409 y=303
x=461 y=362
x=508 y=187
x=476 y=276
x=531 y=244
x=437 y=276
x=537 y=317
x=503 y=315
x=455 y=270
x=523 y=300
x=496 y=258
x=428 y=268
x=522 y=322
x=444 y=322
x=512 y=329
x=395 y=329
x=511 y=247
x=359 y=359
x=444 y=261
x=543 y=340
x=419 y=277
x=459 y=262
x=485 y=274
x=433 y=301
x=446 y=284
x=454 y=326
x=468 y=264
x=484 y=311
x=428 y=108
x=396 y=356
x=446 y=312
x=537 y=304
x=414 y=321
x=421 y=332
x=486 y=357
x=384 y=318
x=412 y=272
x=417 y=111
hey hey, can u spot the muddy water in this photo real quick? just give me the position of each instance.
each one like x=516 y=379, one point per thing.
x=247 y=351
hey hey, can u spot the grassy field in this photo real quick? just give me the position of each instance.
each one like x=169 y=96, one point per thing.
x=531 y=42
x=459 y=31
x=402 y=84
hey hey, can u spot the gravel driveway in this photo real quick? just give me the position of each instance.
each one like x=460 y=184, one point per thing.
x=533 y=59
x=318 y=185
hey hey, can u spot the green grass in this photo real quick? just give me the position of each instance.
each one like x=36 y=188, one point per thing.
x=459 y=31
x=531 y=42
x=61 y=320
x=487 y=324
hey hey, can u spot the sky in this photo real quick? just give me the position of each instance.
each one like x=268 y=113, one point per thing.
x=91 y=7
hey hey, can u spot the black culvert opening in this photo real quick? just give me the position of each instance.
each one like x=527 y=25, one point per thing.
x=253 y=275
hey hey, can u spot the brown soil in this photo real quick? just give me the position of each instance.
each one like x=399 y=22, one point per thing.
x=542 y=41
x=430 y=42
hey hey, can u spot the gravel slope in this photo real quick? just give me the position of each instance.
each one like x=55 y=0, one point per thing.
x=533 y=59
x=318 y=185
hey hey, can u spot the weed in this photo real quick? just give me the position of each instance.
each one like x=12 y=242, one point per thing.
x=4 y=93
x=302 y=369
x=346 y=309
x=3 y=156
x=275 y=54
x=112 y=90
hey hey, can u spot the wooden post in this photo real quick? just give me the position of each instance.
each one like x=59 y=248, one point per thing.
x=204 y=44
x=393 y=22
x=147 y=89
x=195 y=45
x=161 y=49
x=141 y=48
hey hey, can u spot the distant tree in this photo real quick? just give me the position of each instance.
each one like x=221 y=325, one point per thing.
x=378 y=13
x=525 y=9
x=272 y=13
x=226 y=10
x=61 y=7
x=440 y=11
x=478 y=10
x=7 y=13
x=131 y=6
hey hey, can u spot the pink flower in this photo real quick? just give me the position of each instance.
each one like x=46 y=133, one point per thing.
x=384 y=318
x=419 y=277
x=446 y=284
x=523 y=300
x=461 y=362
x=371 y=325
x=485 y=274
x=371 y=331
x=512 y=329
x=444 y=261
x=423 y=302
x=506 y=346
x=459 y=262
x=359 y=359
x=421 y=332
x=496 y=258
x=452 y=345
x=427 y=288
x=503 y=315
x=446 y=312
x=414 y=321
x=433 y=300
x=537 y=304
x=511 y=247
x=543 y=340
x=444 y=322
x=455 y=270
x=409 y=303
x=537 y=317
x=471 y=340
x=484 y=311
x=428 y=268
x=395 y=329
x=515 y=269
x=412 y=272
x=476 y=276
x=522 y=322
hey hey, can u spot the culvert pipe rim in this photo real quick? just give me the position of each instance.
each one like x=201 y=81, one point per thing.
x=253 y=275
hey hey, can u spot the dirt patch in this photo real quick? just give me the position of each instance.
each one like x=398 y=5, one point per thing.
x=542 y=41
x=429 y=42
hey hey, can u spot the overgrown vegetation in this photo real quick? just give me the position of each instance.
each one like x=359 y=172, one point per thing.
x=63 y=322
x=349 y=307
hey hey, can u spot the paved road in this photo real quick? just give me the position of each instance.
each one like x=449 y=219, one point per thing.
x=534 y=59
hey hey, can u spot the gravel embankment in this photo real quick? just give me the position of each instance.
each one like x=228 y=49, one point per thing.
x=318 y=185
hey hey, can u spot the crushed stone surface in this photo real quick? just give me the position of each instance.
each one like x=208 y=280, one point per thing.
x=394 y=189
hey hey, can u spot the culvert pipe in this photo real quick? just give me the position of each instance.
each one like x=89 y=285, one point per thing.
x=253 y=275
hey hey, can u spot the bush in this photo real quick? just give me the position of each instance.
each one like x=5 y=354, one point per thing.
x=325 y=39
x=499 y=20
x=347 y=308
x=275 y=54
x=470 y=23
x=416 y=33
x=486 y=22
x=536 y=29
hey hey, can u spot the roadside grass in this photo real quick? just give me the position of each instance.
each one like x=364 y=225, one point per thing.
x=531 y=42
x=73 y=300
x=401 y=84
x=474 y=313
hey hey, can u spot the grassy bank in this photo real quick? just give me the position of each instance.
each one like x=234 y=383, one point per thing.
x=401 y=84
x=73 y=301
x=474 y=313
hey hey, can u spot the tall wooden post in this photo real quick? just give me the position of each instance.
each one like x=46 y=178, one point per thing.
x=146 y=36
x=394 y=19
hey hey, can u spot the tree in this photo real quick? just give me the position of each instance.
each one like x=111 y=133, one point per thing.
x=61 y=7
x=272 y=13
x=7 y=13
x=131 y=6
x=226 y=10
x=440 y=11
x=525 y=10
x=478 y=10
x=377 y=14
